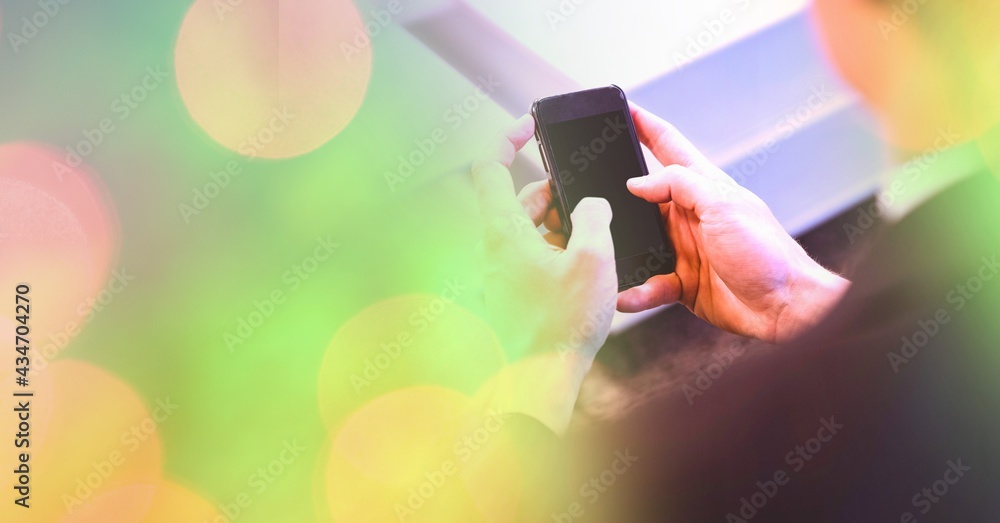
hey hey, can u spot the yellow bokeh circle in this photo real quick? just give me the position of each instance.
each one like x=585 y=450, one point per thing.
x=272 y=78
x=410 y=340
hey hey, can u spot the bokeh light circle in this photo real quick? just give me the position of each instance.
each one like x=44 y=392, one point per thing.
x=410 y=340
x=424 y=454
x=273 y=78
x=75 y=186
x=397 y=447
x=40 y=386
x=161 y=502
x=99 y=437
x=58 y=234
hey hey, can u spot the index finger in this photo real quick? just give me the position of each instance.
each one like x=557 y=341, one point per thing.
x=664 y=140
x=494 y=186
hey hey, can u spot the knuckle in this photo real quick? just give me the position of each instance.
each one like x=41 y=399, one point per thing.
x=535 y=204
x=493 y=243
x=497 y=231
x=597 y=209
x=588 y=255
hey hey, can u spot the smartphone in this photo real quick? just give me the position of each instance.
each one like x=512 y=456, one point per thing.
x=590 y=148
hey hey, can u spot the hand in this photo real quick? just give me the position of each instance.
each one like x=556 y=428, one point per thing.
x=736 y=266
x=551 y=306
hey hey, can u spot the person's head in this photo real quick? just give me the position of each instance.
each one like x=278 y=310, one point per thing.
x=922 y=65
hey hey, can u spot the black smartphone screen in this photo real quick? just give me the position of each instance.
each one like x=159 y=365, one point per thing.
x=594 y=156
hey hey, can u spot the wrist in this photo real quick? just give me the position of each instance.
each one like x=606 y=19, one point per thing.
x=542 y=386
x=813 y=291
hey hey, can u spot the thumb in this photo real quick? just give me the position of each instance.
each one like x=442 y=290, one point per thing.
x=592 y=229
x=664 y=140
x=684 y=187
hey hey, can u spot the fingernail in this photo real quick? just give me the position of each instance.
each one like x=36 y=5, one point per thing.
x=636 y=182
